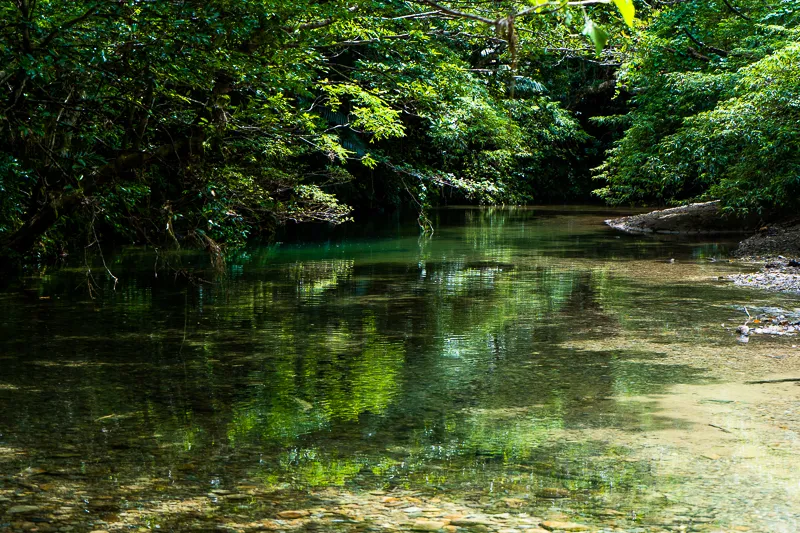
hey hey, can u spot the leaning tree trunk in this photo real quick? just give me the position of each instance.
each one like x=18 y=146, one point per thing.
x=24 y=238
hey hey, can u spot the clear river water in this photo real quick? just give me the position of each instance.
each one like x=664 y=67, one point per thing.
x=520 y=368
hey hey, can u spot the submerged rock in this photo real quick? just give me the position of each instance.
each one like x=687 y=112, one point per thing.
x=23 y=509
x=471 y=522
x=553 y=493
x=427 y=525
x=554 y=525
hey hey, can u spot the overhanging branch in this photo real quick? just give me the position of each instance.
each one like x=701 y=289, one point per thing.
x=720 y=52
x=737 y=11
x=67 y=25
x=459 y=14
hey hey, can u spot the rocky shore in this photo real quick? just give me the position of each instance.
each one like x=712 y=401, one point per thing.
x=693 y=219
x=771 y=241
x=771 y=248
x=779 y=274
x=250 y=509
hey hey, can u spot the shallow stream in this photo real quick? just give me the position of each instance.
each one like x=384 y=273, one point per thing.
x=519 y=366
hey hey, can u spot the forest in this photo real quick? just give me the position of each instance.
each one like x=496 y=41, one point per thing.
x=210 y=124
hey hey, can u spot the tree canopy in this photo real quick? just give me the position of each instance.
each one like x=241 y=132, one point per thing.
x=210 y=123
x=716 y=108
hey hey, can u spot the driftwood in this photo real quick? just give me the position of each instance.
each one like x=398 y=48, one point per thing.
x=766 y=381
x=721 y=428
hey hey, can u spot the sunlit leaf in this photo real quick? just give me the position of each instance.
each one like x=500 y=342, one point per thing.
x=596 y=33
x=628 y=11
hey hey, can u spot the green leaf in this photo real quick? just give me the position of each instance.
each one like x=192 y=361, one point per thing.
x=596 y=33
x=628 y=11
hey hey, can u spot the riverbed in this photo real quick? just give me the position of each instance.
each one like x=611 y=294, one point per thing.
x=522 y=369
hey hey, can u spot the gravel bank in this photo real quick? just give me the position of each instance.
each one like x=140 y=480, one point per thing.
x=771 y=247
x=780 y=275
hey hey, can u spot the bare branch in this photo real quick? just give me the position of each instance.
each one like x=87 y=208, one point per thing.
x=417 y=15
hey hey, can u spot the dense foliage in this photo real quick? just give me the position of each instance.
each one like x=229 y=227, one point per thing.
x=716 y=108
x=208 y=122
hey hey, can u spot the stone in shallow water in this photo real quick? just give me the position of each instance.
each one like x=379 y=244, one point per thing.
x=293 y=514
x=427 y=525
x=22 y=509
x=267 y=525
x=610 y=512
x=554 y=525
x=470 y=522
x=553 y=493
x=30 y=471
x=514 y=503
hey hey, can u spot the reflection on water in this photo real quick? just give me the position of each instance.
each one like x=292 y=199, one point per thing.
x=516 y=354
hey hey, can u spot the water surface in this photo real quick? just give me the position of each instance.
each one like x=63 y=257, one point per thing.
x=525 y=362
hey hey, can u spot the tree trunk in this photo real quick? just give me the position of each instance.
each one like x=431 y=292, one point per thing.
x=25 y=238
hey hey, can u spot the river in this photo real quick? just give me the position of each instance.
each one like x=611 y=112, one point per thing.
x=519 y=366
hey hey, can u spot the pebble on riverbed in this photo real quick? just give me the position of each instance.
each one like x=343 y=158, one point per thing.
x=780 y=275
x=770 y=321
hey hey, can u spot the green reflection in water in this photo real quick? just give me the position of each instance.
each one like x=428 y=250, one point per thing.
x=317 y=378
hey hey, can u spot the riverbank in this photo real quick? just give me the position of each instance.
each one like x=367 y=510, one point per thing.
x=771 y=241
x=772 y=249
x=775 y=274
x=693 y=219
